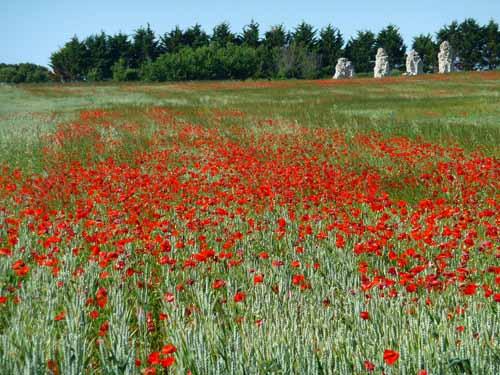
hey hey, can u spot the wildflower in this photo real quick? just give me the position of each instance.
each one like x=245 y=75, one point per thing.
x=390 y=356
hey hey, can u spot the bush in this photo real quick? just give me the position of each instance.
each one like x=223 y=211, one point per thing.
x=23 y=73
x=209 y=62
x=122 y=73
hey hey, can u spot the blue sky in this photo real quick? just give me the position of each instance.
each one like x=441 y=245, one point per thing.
x=31 y=29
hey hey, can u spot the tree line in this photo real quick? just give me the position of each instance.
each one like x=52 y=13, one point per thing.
x=304 y=52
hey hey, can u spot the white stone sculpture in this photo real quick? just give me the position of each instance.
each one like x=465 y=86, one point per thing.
x=445 y=58
x=382 y=67
x=414 y=64
x=343 y=69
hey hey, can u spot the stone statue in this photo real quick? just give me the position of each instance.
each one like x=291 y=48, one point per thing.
x=343 y=69
x=382 y=67
x=414 y=64
x=445 y=58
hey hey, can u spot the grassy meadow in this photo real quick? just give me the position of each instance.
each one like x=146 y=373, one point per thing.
x=257 y=227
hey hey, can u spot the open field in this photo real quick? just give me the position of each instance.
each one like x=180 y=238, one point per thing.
x=289 y=227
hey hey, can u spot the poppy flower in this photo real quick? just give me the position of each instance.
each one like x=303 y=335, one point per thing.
x=364 y=315
x=167 y=362
x=169 y=297
x=390 y=356
x=469 y=290
x=154 y=358
x=60 y=316
x=169 y=349
x=369 y=366
x=257 y=279
x=240 y=297
x=217 y=284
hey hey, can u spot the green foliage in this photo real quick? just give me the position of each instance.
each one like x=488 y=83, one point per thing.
x=491 y=48
x=391 y=41
x=145 y=46
x=451 y=34
x=209 y=62
x=276 y=37
x=305 y=36
x=222 y=35
x=361 y=51
x=296 y=61
x=330 y=49
x=302 y=53
x=471 y=44
x=23 y=73
x=172 y=41
x=119 y=47
x=122 y=73
x=250 y=36
x=428 y=50
x=195 y=37
x=99 y=57
x=70 y=63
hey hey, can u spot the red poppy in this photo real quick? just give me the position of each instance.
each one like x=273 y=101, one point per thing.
x=20 y=268
x=102 y=297
x=167 y=362
x=154 y=358
x=390 y=356
x=60 y=316
x=257 y=279
x=369 y=366
x=239 y=297
x=469 y=290
x=218 y=284
x=169 y=349
x=364 y=315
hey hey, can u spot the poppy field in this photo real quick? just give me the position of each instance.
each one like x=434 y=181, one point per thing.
x=289 y=227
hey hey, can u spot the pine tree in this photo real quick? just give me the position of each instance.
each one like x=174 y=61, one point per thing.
x=145 y=46
x=276 y=37
x=392 y=42
x=491 y=47
x=250 y=36
x=361 y=51
x=195 y=37
x=428 y=50
x=304 y=35
x=330 y=48
x=222 y=35
x=70 y=62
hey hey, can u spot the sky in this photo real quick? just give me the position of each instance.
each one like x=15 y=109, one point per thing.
x=30 y=30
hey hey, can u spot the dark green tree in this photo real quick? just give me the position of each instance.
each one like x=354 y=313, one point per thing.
x=428 y=50
x=361 y=51
x=330 y=48
x=99 y=58
x=70 y=62
x=195 y=37
x=449 y=33
x=305 y=35
x=250 y=36
x=276 y=37
x=120 y=47
x=491 y=47
x=391 y=41
x=23 y=73
x=297 y=61
x=145 y=46
x=471 y=44
x=222 y=35
x=172 y=41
